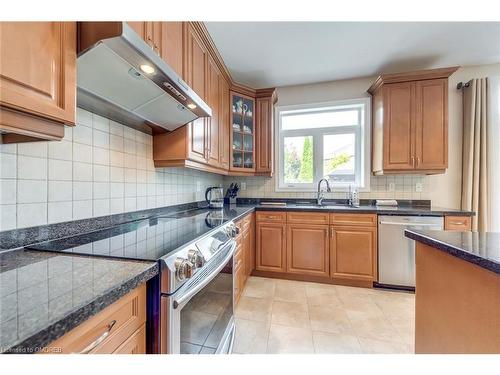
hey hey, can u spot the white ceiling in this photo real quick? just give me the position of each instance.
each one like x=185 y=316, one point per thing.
x=271 y=54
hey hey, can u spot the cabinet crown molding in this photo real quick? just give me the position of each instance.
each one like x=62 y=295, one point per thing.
x=416 y=75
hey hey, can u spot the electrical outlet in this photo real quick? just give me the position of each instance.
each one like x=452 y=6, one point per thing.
x=198 y=186
x=392 y=186
x=243 y=186
x=419 y=187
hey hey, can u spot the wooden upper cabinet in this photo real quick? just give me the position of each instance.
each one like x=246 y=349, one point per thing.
x=410 y=122
x=238 y=141
x=270 y=247
x=37 y=79
x=431 y=124
x=353 y=253
x=141 y=28
x=196 y=72
x=213 y=122
x=224 y=136
x=264 y=133
x=171 y=45
x=307 y=249
x=150 y=31
x=398 y=137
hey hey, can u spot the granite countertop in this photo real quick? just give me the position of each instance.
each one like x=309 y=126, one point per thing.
x=365 y=208
x=44 y=295
x=481 y=249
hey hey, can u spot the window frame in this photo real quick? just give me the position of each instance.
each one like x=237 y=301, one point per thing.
x=362 y=145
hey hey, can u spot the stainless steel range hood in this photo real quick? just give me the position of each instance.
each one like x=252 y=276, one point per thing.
x=119 y=76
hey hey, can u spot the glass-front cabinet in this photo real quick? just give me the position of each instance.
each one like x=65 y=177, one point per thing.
x=242 y=133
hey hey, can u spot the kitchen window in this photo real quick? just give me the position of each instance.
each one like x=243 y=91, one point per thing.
x=325 y=140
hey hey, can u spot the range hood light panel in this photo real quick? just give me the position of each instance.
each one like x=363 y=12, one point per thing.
x=191 y=106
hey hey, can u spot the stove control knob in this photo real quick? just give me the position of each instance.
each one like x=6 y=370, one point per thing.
x=196 y=258
x=232 y=230
x=183 y=269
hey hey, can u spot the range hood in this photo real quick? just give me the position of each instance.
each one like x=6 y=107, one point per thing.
x=120 y=77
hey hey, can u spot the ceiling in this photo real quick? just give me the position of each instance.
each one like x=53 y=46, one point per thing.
x=272 y=54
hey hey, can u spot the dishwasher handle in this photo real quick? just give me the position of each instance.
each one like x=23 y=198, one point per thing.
x=409 y=224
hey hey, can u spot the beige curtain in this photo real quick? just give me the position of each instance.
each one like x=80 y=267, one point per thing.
x=475 y=183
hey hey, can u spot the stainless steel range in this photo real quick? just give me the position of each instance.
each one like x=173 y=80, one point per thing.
x=190 y=304
x=197 y=295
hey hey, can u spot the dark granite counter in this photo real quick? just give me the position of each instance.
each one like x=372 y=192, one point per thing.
x=18 y=238
x=44 y=295
x=482 y=249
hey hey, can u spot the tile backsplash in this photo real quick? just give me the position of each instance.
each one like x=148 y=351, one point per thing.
x=101 y=167
x=381 y=187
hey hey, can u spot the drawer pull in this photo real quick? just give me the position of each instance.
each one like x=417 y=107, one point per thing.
x=271 y=217
x=457 y=222
x=100 y=339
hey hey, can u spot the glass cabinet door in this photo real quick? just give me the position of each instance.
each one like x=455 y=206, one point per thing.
x=243 y=135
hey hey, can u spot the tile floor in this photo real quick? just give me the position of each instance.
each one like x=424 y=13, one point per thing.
x=280 y=316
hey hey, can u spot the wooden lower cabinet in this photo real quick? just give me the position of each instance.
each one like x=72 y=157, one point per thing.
x=458 y=223
x=270 y=247
x=244 y=259
x=135 y=344
x=353 y=253
x=307 y=249
x=121 y=325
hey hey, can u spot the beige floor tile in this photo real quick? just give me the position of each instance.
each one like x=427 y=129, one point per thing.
x=335 y=343
x=374 y=328
x=358 y=308
x=373 y=346
x=405 y=328
x=257 y=309
x=322 y=296
x=290 y=291
x=251 y=337
x=329 y=319
x=259 y=287
x=290 y=314
x=283 y=339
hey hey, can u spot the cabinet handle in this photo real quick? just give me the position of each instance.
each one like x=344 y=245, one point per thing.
x=332 y=232
x=413 y=160
x=100 y=339
x=418 y=161
x=457 y=222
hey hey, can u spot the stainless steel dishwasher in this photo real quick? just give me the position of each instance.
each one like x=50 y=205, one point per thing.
x=396 y=253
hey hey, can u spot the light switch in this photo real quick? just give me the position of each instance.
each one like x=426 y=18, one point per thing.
x=419 y=187
x=392 y=186
x=243 y=186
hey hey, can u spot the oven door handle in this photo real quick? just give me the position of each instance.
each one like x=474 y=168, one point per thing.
x=185 y=297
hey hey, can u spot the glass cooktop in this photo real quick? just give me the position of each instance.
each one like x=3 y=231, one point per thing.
x=147 y=239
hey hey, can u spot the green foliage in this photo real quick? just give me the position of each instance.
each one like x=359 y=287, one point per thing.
x=292 y=164
x=306 y=168
x=336 y=162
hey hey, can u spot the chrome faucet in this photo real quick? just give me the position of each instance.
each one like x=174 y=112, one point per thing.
x=321 y=192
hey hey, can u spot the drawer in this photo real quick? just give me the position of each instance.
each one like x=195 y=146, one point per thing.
x=271 y=216
x=307 y=217
x=458 y=223
x=135 y=344
x=239 y=256
x=353 y=219
x=122 y=319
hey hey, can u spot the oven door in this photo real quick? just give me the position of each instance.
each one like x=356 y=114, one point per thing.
x=198 y=318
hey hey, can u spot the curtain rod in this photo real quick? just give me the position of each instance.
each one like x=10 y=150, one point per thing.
x=461 y=85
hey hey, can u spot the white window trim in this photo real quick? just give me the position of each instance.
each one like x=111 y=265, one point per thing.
x=365 y=145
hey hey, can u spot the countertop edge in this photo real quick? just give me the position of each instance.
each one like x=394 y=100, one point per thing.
x=413 y=211
x=454 y=251
x=82 y=314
